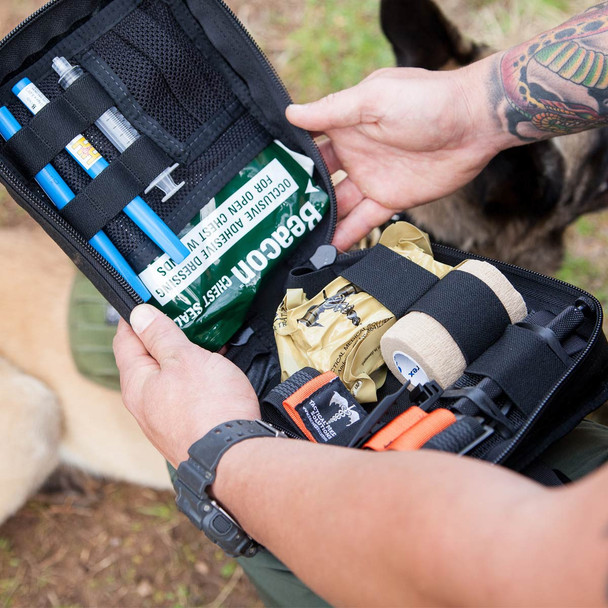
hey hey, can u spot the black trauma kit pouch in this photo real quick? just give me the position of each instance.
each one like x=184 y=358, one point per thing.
x=148 y=138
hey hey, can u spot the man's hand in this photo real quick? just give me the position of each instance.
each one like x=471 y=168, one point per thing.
x=404 y=137
x=176 y=390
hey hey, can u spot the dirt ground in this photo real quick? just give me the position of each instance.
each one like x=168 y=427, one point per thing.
x=100 y=543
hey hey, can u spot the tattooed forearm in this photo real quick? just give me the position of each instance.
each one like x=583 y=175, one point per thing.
x=558 y=82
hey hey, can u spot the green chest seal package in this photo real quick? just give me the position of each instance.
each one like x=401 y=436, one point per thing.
x=237 y=238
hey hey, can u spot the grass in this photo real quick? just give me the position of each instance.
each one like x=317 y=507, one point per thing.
x=585 y=261
x=337 y=45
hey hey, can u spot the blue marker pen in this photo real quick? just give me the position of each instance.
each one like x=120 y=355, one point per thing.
x=60 y=194
x=93 y=163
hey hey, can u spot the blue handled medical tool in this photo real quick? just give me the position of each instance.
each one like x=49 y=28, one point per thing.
x=60 y=194
x=93 y=163
x=117 y=128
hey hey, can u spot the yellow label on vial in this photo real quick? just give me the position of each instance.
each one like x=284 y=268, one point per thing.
x=83 y=151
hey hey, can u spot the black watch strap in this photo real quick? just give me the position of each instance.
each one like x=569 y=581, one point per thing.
x=196 y=474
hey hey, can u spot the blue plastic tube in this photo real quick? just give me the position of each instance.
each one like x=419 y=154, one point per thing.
x=60 y=194
x=138 y=210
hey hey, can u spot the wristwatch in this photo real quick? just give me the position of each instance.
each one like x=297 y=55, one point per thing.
x=197 y=473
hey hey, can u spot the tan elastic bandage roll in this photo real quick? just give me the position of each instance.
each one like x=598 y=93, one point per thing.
x=340 y=328
x=419 y=348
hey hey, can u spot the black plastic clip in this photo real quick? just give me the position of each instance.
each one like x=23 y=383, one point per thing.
x=425 y=396
x=372 y=422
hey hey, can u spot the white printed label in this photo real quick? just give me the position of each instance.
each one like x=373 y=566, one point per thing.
x=409 y=369
x=33 y=99
x=220 y=231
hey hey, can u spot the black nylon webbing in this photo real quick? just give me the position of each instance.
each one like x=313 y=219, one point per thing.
x=57 y=124
x=469 y=310
x=311 y=282
x=523 y=365
x=108 y=194
x=392 y=279
x=457 y=436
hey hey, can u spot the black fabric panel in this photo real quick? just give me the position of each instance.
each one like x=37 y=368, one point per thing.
x=57 y=124
x=108 y=194
x=469 y=310
x=19 y=51
x=396 y=282
x=523 y=365
x=540 y=472
x=548 y=336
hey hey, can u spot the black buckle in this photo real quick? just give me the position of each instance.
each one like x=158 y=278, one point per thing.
x=372 y=422
x=424 y=396
x=488 y=431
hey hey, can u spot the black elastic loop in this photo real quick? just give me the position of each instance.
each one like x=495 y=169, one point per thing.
x=550 y=338
x=310 y=281
x=115 y=187
x=479 y=398
x=57 y=124
x=523 y=365
x=396 y=282
x=469 y=310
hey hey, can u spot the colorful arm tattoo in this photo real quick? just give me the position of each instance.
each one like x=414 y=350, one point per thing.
x=558 y=82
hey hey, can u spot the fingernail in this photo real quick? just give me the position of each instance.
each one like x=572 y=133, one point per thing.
x=142 y=317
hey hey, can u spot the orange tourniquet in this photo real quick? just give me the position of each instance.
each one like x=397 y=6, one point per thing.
x=310 y=388
x=394 y=429
x=423 y=431
x=411 y=430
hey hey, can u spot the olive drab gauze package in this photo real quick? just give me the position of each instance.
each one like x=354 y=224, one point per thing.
x=234 y=242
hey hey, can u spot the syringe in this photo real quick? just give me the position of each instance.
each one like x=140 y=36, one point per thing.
x=94 y=164
x=117 y=128
x=60 y=194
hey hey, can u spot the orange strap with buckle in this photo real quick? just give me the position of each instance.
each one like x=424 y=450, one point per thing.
x=385 y=436
x=423 y=431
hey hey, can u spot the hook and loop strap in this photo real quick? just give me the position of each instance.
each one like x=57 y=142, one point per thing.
x=57 y=124
x=396 y=282
x=115 y=187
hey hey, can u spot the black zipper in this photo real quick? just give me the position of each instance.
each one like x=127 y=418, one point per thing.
x=541 y=278
x=52 y=217
x=49 y=212
x=317 y=157
x=27 y=21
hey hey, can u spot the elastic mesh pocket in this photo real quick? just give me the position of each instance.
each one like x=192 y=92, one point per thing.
x=127 y=237
x=164 y=71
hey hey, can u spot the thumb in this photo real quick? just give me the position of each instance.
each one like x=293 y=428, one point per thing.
x=161 y=337
x=338 y=110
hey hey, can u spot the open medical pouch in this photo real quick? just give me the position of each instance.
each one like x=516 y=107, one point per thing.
x=202 y=104
x=254 y=207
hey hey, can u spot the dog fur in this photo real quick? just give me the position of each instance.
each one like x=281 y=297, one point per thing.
x=49 y=412
x=517 y=210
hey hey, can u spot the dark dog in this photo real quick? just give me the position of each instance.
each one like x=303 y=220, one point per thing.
x=519 y=207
